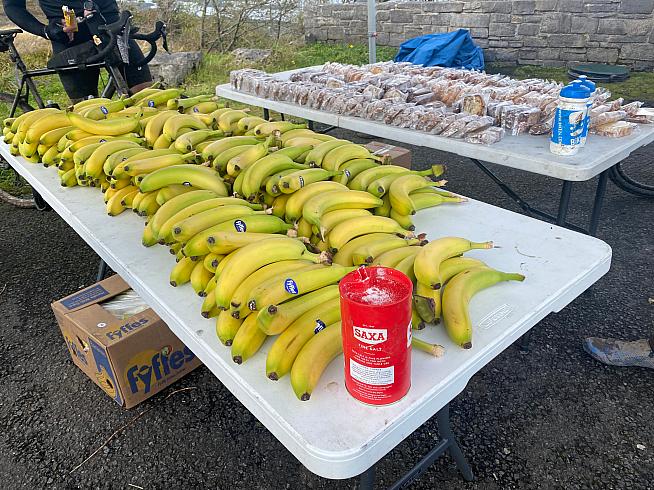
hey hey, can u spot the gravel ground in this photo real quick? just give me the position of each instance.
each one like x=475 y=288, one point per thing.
x=553 y=418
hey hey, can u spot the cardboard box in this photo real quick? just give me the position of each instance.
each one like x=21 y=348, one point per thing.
x=398 y=155
x=130 y=359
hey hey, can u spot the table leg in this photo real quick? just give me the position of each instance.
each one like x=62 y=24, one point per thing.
x=448 y=444
x=505 y=188
x=597 y=205
x=102 y=270
x=523 y=342
x=266 y=114
x=367 y=479
x=310 y=125
x=564 y=203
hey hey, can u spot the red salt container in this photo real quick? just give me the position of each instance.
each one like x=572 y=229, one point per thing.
x=376 y=325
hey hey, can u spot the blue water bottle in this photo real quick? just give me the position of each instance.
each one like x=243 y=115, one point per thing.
x=569 y=119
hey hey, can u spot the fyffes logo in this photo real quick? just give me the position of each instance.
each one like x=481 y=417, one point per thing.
x=320 y=326
x=370 y=336
x=125 y=329
x=240 y=226
x=291 y=286
x=149 y=367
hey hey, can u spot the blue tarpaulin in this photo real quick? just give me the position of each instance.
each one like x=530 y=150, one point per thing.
x=453 y=49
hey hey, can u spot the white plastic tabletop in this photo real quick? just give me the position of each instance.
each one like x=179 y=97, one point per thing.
x=524 y=152
x=333 y=435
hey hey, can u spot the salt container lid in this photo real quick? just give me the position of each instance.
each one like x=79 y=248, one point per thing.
x=576 y=90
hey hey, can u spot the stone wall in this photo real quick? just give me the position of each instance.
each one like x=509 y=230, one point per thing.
x=551 y=32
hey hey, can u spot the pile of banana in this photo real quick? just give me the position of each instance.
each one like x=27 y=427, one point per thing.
x=264 y=218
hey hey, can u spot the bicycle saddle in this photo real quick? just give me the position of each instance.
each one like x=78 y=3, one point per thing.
x=9 y=32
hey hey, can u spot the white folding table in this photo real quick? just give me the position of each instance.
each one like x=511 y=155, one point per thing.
x=333 y=435
x=524 y=152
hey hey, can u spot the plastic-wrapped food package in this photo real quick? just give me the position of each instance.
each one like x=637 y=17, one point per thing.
x=302 y=94
x=494 y=109
x=125 y=304
x=477 y=124
x=618 y=129
x=474 y=104
x=644 y=115
x=392 y=110
x=518 y=119
x=486 y=136
x=428 y=120
x=548 y=111
x=334 y=83
x=607 y=118
x=396 y=95
x=543 y=127
x=404 y=119
x=374 y=92
x=444 y=124
x=632 y=108
x=453 y=93
x=457 y=128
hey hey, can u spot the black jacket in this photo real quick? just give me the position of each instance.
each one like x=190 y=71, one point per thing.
x=17 y=12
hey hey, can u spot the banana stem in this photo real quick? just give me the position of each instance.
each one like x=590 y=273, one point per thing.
x=435 y=350
x=481 y=245
x=508 y=276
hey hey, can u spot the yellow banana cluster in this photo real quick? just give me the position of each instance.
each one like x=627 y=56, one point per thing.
x=264 y=218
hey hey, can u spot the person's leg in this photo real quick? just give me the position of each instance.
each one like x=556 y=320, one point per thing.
x=137 y=77
x=615 y=352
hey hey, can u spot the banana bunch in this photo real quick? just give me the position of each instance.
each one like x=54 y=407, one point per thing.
x=264 y=218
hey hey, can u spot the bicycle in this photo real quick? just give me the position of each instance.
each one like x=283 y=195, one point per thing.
x=111 y=46
x=628 y=178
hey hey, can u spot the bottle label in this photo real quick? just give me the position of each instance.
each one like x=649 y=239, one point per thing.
x=568 y=126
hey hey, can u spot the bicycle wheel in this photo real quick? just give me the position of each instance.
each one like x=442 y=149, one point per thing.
x=635 y=177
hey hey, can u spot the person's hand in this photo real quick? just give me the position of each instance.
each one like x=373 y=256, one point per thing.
x=55 y=32
x=70 y=31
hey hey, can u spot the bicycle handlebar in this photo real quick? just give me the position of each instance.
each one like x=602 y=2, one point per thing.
x=113 y=31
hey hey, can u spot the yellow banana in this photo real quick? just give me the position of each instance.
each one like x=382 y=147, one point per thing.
x=227 y=326
x=44 y=125
x=364 y=179
x=114 y=204
x=247 y=123
x=345 y=255
x=118 y=157
x=317 y=154
x=24 y=122
x=352 y=168
x=318 y=205
x=101 y=111
x=228 y=119
x=243 y=160
x=267 y=128
x=405 y=266
x=401 y=188
x=427 y=264
x=211 y=261
x=393 y=257
x=95 y=163
x=181 y=104
x=313 y=359
x=330 y=219
x=155 y=98
x=217 y=147
x=68 y=178
x=354 y=227
x=220 y=161
x=457 y=295
x=279 y=205
x=174 y=205
x=238 y=302
x=186 y=229
x=174 y=125
x=224 y=242
x=148 y=205
x=366 y=254
x=256 y=223
x=296 y=203
x=53 y=136
x=181 y=273
x=254 y=256
x=195 y=175
x=154 y=127
x=138 y=168
x=341 y=154
x=295 y=133
x=262 y=168
x=248 y=340
x=188 y=141
x=105 y=127
x=275 y=318
x=303 y=141
x=165 y=194
x=51 y=156
x=291 y=285
x=199 y=278
x=296 y=180
x=286 y=347
x=203 y=108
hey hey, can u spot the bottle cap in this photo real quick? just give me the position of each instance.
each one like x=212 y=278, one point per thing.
x=587 y=83
x=576 y=90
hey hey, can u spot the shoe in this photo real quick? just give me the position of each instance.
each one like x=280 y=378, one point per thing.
x=621 y=353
